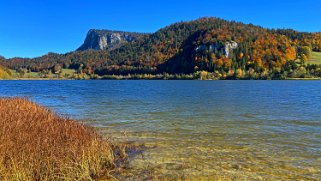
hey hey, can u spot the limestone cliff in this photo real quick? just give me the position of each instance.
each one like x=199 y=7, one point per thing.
x=106 y=39
x=227 y=47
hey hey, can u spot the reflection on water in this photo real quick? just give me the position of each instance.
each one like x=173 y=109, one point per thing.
x=244 y=130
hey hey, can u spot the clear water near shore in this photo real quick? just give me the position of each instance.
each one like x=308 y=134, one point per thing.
x=198 y=129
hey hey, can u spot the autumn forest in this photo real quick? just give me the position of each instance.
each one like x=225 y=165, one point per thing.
x=207 y=48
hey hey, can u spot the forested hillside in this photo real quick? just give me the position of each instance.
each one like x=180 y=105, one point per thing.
x=209 y=48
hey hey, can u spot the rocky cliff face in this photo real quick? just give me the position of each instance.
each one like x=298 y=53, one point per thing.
x=228 y=47
x=106 y=39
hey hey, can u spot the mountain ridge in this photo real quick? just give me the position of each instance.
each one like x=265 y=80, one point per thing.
x=204 y=44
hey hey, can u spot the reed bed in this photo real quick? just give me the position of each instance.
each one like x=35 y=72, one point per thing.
x=37 y=144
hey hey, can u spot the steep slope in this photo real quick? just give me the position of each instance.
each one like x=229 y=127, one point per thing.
x=106 y=39
x=182 y=46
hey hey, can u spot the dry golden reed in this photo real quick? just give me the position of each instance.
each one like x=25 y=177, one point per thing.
x=36 y=144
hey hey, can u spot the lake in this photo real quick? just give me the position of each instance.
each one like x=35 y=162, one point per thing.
x=208 y=130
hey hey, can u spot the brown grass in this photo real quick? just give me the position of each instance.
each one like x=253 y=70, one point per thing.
x=36 y=144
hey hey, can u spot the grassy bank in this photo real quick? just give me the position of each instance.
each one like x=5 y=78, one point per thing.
x=36 y=144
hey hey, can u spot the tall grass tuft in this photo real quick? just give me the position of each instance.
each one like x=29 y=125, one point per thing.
x=36 y=144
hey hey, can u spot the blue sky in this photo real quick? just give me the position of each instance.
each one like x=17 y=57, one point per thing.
x=30 y=28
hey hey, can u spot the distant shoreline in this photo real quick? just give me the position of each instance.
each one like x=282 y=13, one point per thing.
x=55 y=79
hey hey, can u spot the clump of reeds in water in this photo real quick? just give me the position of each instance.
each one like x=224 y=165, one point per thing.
x=36 y=144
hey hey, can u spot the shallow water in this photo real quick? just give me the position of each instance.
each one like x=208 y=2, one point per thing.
x=209 y=130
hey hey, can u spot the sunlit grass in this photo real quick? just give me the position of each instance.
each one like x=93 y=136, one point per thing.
x=36 y=144
x=315 y=58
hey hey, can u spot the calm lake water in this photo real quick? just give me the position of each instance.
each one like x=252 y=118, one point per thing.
x=243 y=130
